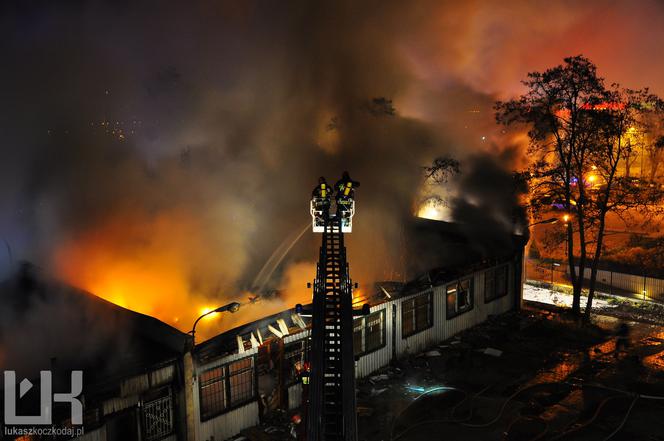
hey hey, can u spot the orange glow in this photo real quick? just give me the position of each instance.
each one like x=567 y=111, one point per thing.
x=566 y=217
x=149 y=278
x=157 y=266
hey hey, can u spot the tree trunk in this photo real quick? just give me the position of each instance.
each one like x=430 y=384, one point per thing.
x=594 y=265
x=576 y=300
x=578 y=286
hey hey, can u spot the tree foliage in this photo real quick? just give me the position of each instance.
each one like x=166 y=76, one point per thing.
x=582 y=135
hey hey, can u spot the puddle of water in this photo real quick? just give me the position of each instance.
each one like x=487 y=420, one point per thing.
x=572 y=362
x=654 y=361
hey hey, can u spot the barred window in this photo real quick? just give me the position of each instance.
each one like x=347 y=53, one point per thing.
x=369 y=333
x=495 y=283
x=158 y=417
x=241 y=379
x=416 y=314
x=459 y=297
x=293 y=361
x=226 y=386
x=212 y=392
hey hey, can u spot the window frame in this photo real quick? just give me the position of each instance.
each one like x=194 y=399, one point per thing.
x=225 y=379
x=287 y=356
x=494 y=272
x=416 y=328
x=471 y=291
x=165 y=396
x=365 y=329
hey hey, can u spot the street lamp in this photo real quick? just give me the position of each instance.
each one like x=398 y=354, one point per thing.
x=553 y=220
x=231 y=307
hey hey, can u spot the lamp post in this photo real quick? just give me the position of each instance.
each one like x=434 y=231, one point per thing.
x=553 y=220
x=231 y=307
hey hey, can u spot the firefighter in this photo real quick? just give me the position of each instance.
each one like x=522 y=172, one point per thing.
x=346 y=187
x=322 y=195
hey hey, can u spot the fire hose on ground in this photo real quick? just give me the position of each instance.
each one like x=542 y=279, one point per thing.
x=566 y=432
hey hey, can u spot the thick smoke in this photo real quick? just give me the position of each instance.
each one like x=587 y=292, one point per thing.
x=157 y=154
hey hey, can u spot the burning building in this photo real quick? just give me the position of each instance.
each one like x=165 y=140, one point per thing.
x=166 y=389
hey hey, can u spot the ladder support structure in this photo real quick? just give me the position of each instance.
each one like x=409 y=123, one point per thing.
x=331 y=413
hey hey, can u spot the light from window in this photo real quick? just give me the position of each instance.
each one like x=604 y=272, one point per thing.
x=459 y=298
x=369 y=333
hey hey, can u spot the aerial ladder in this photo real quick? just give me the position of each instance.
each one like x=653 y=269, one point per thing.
x=330 y=406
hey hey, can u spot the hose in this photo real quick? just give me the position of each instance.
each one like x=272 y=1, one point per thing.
x=502 y=408
x=587 y=423
x=631 y=406
x=537 y=436
x=435 y=389
x=435 y=421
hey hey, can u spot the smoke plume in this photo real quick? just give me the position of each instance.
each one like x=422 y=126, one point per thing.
x=156 y=154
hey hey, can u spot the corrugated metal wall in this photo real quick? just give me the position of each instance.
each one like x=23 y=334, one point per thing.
x=229 y=424
x=630 y=282
x=443 y=328
x=381 y=357
x=294 y=396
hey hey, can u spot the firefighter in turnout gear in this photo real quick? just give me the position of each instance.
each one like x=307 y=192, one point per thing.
x=322 y=196
x=346 y=188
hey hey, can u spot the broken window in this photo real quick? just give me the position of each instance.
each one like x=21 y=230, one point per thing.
x=293 y=361
x=226 y=386
x=495 y=283
x=369 y=333
x=416 y=314
x=158 y=417
x=459 y=297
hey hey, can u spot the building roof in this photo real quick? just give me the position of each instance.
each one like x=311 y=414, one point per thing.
x=68 y=328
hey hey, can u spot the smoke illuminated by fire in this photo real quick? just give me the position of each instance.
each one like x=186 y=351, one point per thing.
x=147 y=267
x=238 y=120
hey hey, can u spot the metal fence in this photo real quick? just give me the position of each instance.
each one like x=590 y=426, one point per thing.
x=610 y=282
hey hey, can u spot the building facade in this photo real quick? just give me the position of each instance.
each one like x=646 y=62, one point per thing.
x=234 y=391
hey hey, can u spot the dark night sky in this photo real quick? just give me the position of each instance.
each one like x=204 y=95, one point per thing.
x=183 y=138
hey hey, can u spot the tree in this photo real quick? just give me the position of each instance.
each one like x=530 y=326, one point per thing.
x=578 y=139
x=629 y=112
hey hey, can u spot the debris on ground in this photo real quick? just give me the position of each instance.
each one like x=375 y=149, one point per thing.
x=493 y=352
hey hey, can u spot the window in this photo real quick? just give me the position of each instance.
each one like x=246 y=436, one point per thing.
x=293 y=361
x=212 y=392
x=369 y=333
x=158 y=417
x=416 y=314
x=241 y=379
x=459 y=297
x=495 y=283
x=226 y=386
